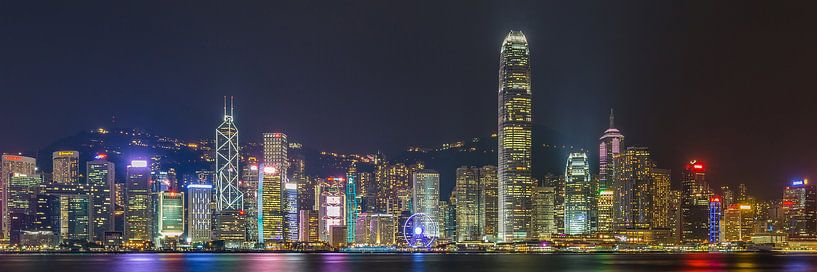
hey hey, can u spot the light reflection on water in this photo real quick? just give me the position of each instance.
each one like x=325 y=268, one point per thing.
x=417 y=262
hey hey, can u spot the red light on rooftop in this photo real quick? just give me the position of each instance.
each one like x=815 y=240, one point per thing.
x=695 y=166
x=12 y=157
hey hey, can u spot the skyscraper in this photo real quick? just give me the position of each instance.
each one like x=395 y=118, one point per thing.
x=22 y=189
x=170 y=225
x=331 y=206
x=290 y=205
x=276 y=147
x=800 y=209
x=694 y=204
x=249 y=186
x=66 y=167
x=715 y=215
x=467 y=204
x=558 y=184
x=488 y=202
x=633 y=183
x=12 y=164
x=270 y=208
x=728 y=196
x=352 y=205
x=738 y=223
x=139 y=203
x=101 y=174
x=605 y=213
x=426 y=196
x=515 y=123
x=230 y=212
x=578 y=194
x=375 y=229
x=199 y=214
x=228 y=194
x=610 y=145
x=308 y=226
x=543 y=212
x=660 y=193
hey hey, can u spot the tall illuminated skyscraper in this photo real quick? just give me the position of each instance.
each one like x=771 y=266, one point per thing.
x=12 y=164
x=228 y=194
x=66 y=167
x=230 y=214
x=578 y=194
x=694 y=204
x=543 y=212
x=22 y=190
x=605 y=214
x=199 y=214
x=715 y=216
x=609 y=146
x=632 y=181
x=426 y=196
x=139 y=203
x=514 y=129
x=290 y=199
x=352 y=204
x=249 y=186
x=467 y=204
x=331 y=213
x=800 y=209
x=488 y=202
x=270 y=209
x=100 y=179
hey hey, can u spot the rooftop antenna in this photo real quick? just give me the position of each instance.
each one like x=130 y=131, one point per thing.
x=225 y=105
x=611 y=118
x=231 y=105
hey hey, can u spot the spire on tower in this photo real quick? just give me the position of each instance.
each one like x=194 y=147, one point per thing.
x=611 y=118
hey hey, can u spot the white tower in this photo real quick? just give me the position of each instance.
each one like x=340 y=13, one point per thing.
x=229 y=196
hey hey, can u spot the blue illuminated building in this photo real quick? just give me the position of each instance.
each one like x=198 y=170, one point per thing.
x=715 y=214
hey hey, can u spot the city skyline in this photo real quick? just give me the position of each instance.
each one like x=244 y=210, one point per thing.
x=498 y=135
x=628 y=203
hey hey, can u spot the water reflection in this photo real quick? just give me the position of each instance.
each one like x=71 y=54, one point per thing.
x=419 y=262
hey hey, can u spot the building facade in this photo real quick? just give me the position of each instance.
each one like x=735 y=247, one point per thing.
x=65 y=167
x=426 y=196
x=139 y=211
x=100 y=178
x=578 y=195
x=199 y=213
x=515 y=185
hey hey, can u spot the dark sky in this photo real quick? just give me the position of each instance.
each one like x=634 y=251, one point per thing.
x=731 y=83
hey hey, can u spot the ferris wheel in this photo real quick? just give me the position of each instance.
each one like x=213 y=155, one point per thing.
x=420 y=230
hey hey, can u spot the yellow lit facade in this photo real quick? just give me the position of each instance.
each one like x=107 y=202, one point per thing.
x=515 y=184
x=270 y=213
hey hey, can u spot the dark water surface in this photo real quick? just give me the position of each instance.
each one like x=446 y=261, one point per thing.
x=339 y=262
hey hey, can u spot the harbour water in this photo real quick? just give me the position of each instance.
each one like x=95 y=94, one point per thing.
x=418 y=262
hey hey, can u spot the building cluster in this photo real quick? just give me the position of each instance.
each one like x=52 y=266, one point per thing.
x=268 y=202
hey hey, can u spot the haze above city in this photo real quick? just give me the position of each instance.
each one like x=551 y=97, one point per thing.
x=729 y=84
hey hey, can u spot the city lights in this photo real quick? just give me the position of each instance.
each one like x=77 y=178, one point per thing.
x=221 y=195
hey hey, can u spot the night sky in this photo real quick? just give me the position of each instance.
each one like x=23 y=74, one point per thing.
x=730 y=83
